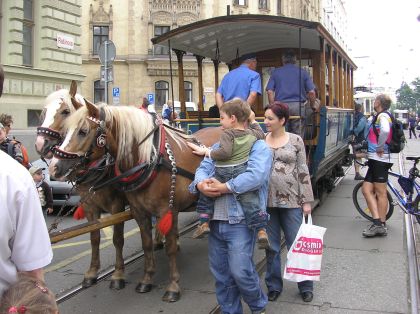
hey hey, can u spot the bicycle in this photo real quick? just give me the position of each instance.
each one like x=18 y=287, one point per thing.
x=408 y=184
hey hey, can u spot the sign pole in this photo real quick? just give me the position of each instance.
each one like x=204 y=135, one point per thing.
x=106 y=72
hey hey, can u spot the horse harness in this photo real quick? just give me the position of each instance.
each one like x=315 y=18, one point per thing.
x=140 y=176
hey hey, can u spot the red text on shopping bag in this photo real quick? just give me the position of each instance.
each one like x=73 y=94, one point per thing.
x=312 y=246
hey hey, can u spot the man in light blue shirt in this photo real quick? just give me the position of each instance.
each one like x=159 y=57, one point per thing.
x=231 y=242
x=243 y=82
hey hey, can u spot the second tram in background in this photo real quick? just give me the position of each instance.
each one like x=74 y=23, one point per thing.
x=225 y=38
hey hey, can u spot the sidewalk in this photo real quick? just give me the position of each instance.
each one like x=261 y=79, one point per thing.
x=358 y=275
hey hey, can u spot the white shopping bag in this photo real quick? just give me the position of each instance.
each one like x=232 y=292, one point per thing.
x=305 y=255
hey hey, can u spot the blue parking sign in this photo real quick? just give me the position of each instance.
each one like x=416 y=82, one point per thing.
x=115 y=92
x=151 y=98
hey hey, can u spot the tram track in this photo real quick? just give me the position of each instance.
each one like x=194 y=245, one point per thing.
x=106 y=273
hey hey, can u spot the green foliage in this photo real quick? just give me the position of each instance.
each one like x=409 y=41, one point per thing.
x=408 y=97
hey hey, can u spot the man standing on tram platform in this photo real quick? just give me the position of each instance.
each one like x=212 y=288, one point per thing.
x=284 y=86
x=243 y=82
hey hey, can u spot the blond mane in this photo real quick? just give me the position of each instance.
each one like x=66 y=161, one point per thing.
x=132 y=126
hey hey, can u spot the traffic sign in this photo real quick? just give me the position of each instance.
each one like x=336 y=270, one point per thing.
x=107 y=52
x=115 y=92
x=151 y=98
x=110 y=74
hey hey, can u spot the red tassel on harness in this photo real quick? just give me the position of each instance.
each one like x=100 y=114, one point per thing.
x=79 y=213
x=165 y=223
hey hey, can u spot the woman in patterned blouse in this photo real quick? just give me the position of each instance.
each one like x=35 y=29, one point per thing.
x=290 y=194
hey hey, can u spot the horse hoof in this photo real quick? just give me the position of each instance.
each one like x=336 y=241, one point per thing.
x=171 y=296
x=144 y=288
x=88 y=282
x=158 y=246
x=117 y=284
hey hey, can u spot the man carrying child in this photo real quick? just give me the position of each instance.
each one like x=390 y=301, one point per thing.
x=231 y=160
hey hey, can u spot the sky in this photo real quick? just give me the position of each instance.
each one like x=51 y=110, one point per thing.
x=384 y=41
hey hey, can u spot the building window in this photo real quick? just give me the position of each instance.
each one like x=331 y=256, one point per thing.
x=100 y=34
x=240 y=2
x=99 y=92
x=34 y=117
x=262 y=4
x=188 y=90
x=27 y=30
x=159 y=49
x=161 y=92
x=279 y=7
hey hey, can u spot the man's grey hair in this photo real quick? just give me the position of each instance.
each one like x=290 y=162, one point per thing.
x=289 y=57
x=384 y=100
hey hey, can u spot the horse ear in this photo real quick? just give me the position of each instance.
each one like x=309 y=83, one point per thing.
x=73 y=88
x=75 y=103
x=87 y=101
x=92 y=109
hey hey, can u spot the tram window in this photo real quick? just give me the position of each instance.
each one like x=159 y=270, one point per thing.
x=161 y=92
x=99 y=92
x=33 y=117
x=100 y=34
x=159 y=49
x=188 y=90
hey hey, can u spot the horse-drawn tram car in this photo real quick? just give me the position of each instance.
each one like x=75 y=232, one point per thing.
x=104 y=135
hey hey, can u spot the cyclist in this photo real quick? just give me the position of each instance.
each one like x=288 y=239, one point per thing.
x=360 y=125
x=379 y=162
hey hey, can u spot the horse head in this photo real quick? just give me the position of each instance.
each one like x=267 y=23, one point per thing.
x=58 y=107
x=93 y=131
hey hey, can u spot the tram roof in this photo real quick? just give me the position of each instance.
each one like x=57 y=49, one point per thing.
x=241 y=34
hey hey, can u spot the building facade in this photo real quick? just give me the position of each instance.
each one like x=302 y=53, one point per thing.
x=139 y=67
x=334 y=19
x=40 y=53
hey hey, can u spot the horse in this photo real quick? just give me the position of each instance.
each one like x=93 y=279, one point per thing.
x=130 y=136
x=58 y=107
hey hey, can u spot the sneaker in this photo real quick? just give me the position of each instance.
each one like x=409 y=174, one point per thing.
x=358 y=177
x=374 y=231
x=201 y=230
x=262 y=239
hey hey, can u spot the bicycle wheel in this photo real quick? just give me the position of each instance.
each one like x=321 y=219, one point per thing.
x=362 y=207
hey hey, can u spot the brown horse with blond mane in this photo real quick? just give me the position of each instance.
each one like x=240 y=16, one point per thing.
x=58 y=108
x=161 y=156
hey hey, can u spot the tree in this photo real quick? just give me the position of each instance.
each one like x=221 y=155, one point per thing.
x=409 y=97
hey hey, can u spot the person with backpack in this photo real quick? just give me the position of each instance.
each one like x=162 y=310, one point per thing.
x=11 y=147
x=379 y=162
x=360 y=123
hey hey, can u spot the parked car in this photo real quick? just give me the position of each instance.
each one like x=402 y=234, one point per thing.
x=63 y=192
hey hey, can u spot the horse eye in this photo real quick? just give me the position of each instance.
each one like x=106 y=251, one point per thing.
x=65 y=112
x=82 y=132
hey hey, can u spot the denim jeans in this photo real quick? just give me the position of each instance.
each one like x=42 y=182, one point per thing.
x=231 y=247
x=288 y=220
x=254 y=215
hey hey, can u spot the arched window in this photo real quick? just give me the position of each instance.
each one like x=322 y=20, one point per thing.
x=99 y=92
x=188 y=91
x=100 y=34
x=161 y=92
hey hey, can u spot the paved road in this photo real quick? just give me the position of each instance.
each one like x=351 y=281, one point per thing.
x=358 y=275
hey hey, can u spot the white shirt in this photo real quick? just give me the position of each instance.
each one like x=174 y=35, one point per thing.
x=24 y=240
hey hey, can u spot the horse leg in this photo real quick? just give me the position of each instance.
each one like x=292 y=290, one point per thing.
x=172 y=293
x=118 y=278
x=158 y=241
x=91 y=276
x=145 y=224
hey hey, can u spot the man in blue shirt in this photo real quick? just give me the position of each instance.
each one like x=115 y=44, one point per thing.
x=231 y=242
x=284 y=86
x=243 y=82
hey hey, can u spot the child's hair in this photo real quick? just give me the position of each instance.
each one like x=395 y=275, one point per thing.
x=238 y=108
x=28 y=296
